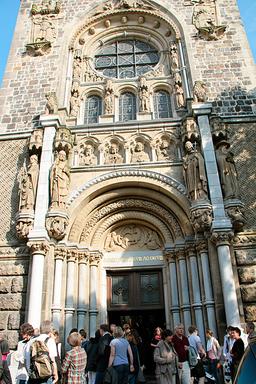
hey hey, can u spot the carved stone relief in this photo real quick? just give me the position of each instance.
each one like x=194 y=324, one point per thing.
x=63 y=140
x=206 y=22
x=190 y=131
x=51 y=107
x=143 y=95
x=23 y=227
x=133 y=237
x=201 y=218
x=123 y=4
x=165 y=149
x=138 y=152
x=35 y=142
x=112 y=153
x=75 y=102
x=200 y=92
x=28 y=179
x=59 y=181
x=46 y=7
x=236 y=214
x=89 y=74
x=87 y=154
x=56 y=226
x=109 y=98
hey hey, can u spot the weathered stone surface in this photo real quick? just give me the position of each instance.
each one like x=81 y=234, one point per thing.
x=248 y=293
x=14 y=320
x=247 y=275
x=11 y=302
x=19 y=284
x=3 y=320
x=246 y=257
x=250 y=312
x=11 y=269
x=5 y=284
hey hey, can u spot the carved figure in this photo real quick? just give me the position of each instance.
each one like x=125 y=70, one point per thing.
x=109 y=98
x=194 y=173
x=201 y=219
x=144 y=100
x=138 y=153
x=56 y=227
x=199 y=91
x=205 y=20
x=44 y=30
x=112 y=155
x=52 y=103
x=174 y=57
x=46 y=8
x=23 y=228
x=77 y=67
x=87 y=156
x=75 y=102
x=237 y=217
x=28 y=184
x=227 y=171
x=164 y=150
x=60 y=181
x=179 y=96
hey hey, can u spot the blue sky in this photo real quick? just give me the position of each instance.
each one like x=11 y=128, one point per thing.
x=9 y=9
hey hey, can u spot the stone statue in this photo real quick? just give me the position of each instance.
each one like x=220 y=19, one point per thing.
x=227 y=171
x=51 y=104
x=87 y=156
x=174 y=57
x=109 y=98
x=199 y=91
x=194 y=173
x=60 y=181
x=179 y=96
x=44 y=30
x=138 y=153
x=143 y=95
x=112 y=155
x=28 y=184
x=164 y=150
x=77 y=68
x=74 y=103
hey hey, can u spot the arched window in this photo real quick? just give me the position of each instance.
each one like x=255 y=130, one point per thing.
x=162 y=105
x=93 y=109
x=127 y=106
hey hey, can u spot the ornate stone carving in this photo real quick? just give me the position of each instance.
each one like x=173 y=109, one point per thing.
x=202 y=246
x=23 y=227
x=59 y=181
x=165 y=149
x=83 y=257
x=222 y=238
x=201 y=218
x=236 y=214
x=35 y=141
x=133 y=237
x=75 y=102
x=227 y=171
x=180 y=100
x=95 y=258
x=56 y=226
x=143 y=95
x=63 y=140
x=51 y=104
x=87 y=154
x=190 y=131
x=77 y=66
x=90 y=76
x=194 y=174
x=200 y=92
x=219 y=129
x=174 y=57
x=109 y=98
x=123 y=4
x=138 y=152
x=112 y=153
x=205 y=20
x=71 y=255
x=46 y=7
x=158 y=72
x=60 y=253
x=28 y=179
x=38 y=247
x=170 y=255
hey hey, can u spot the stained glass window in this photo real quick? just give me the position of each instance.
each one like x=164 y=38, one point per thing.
x=120 y=290
x=126 y=59
x=162 y=105
x=93 y=108
x=127 y=106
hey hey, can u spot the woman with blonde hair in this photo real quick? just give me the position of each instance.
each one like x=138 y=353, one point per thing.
x=73 y=366
x=120 y=350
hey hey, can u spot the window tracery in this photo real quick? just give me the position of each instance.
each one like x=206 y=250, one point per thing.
x=127 y=106
x=162 y=105
x=93 y=109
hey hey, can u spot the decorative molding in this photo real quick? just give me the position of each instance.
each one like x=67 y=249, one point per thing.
x=41 y=247
x=222 y=238
x=169 y=181
x=56 y=225
x=63 y=140
x=46 y=8
x=95 y=258
x=190 y=131
x=201 y=217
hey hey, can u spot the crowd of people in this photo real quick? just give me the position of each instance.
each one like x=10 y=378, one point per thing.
x=116 y=355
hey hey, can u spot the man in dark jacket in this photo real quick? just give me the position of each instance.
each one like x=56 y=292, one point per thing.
x=103 y=353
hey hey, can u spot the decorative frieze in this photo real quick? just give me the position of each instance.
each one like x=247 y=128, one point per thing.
x=46 y=7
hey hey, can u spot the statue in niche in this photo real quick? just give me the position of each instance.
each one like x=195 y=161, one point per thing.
x=28 y=180
x=200 y=92
x=112 y=155
x=179 y=95
x=75 y=102
x=138 y=153
x=227 y=171
x=174 y=57
x=59 y=181
x=51 y=104
x=87 y=156
x=44 y=30
x=109 y=98
x=77 y=67
x=143 y=95
x=194 y=173
x=164 y=150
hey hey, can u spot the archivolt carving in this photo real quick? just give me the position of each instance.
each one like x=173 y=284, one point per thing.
x=132 y=236
x=141 y=216
x=167 y=180
x=132 y=204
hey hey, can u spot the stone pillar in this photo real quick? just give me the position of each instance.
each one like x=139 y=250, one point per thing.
x=175 y=307
x=208 y=294
x=70 y=279
x=94 y=263
x=60 y=254
x=196 y=294
x=222 y=241
x=184 y=289
x=82 y=294
x=103 y=312
x=38 y=250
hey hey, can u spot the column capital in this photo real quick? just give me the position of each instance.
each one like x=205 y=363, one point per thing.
x=190 y=250
x=170 y=255
x=60 y=253
x=83 y=257
x=38 y=247
x=202 y=247
x=95 y=258
x=50 y=121
x=222 y=238
x=180 y=254
x=202 y=108
x=71 y=255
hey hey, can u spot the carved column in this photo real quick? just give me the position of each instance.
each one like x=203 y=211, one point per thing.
x=69 y=305
x=60 y=255
x=82 y=294
x=175 y=308
x=94 y=263
x=184 y=288
x=196 y=294
x=103 y=312
x=208 y=294
x=38 y=250
x=222 y=241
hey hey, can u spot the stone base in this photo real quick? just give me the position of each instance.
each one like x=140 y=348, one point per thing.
x=106 y=119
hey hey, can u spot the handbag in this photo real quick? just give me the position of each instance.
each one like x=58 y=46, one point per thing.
x=141 y=377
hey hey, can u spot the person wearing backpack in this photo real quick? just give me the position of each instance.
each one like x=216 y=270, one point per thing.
x=195 y=342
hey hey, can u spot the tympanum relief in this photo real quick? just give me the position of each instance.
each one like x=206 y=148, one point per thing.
x=133 y=237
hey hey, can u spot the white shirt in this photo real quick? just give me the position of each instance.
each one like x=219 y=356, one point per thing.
x=50 y=344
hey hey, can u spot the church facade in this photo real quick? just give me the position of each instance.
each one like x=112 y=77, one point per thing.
x=127 y=157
